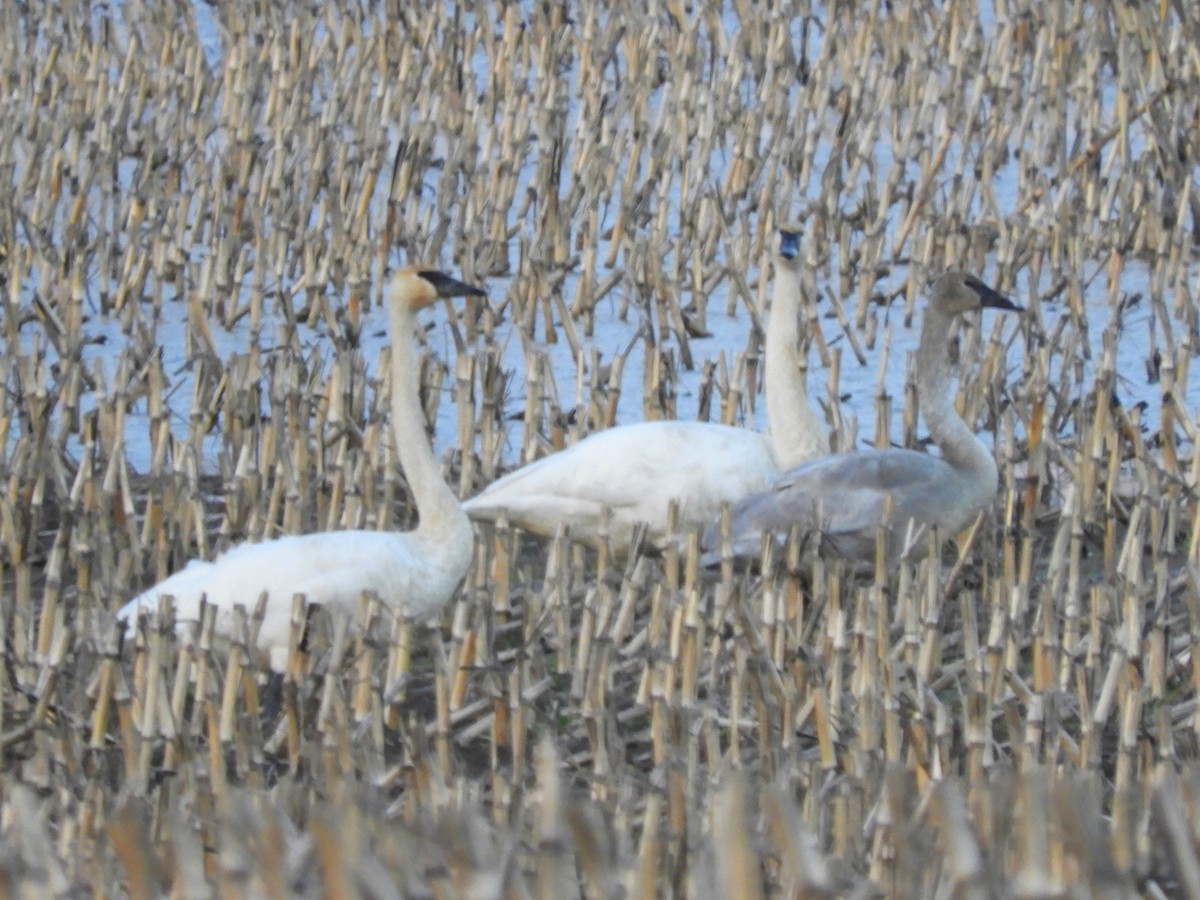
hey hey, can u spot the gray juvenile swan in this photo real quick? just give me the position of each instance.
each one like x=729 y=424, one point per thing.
x=844 y=498
x=635 y=471
x=415 y=571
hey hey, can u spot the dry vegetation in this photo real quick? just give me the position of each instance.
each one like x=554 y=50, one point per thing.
x=1017 y=720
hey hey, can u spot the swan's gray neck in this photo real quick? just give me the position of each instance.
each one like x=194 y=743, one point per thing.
x=438 y=507
x=796 y=432
x=958 y=443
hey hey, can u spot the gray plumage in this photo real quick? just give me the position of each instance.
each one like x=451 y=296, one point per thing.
x=843 y=499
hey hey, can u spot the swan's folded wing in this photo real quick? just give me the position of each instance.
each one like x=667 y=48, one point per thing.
x=843 y=497
x=186 y=586
x=635 y=471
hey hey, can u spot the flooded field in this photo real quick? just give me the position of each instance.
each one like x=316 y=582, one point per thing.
x=203 y=206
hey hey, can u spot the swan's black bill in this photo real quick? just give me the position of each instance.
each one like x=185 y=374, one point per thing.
x=789 y=243
x=450 y=287
x=990 y=298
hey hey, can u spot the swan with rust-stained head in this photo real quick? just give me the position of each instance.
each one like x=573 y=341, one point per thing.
x=843 y=499
x=415 y=572
x=635 y=471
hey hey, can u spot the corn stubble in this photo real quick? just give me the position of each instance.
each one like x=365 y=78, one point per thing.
x=1015 y=716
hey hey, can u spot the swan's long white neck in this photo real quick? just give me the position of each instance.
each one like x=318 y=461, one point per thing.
x=796 y=432
x=440 y=513
x=958 y=443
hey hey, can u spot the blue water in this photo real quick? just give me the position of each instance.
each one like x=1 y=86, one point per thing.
x=857 y=387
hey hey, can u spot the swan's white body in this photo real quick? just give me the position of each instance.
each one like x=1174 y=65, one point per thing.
x=846 y=497
x=635 y=471
x=415 y=572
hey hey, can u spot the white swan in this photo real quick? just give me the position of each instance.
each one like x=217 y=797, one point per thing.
x=846 y=497
x=636 y=470
x=416 y=571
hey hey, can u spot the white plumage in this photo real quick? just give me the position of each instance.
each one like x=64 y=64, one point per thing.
x=415 y=572
x=846 y=497
x=635 y=471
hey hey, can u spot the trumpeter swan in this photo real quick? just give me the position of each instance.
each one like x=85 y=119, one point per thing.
x=415 y=572
x=636 y=470
x=846 y=497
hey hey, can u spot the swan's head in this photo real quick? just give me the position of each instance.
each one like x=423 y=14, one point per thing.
x=789 y=240
x=419 y=286
x=959 y=292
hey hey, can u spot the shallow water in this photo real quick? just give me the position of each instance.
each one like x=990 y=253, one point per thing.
x=1139 y=338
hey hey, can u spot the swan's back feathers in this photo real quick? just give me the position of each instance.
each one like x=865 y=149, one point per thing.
x=634 y=471
x=844 y=498
x=332 y=568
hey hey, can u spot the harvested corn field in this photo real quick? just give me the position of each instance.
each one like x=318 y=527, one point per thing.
x=204 y=204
